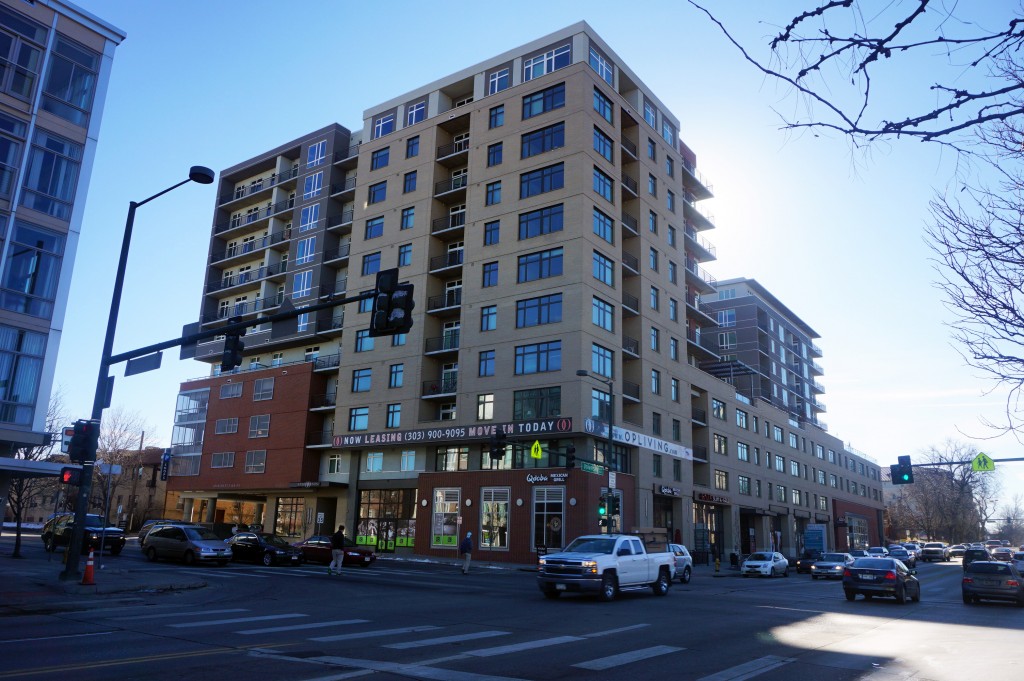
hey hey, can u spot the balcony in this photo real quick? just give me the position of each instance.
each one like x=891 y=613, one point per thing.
x=453 y=154
x=239 y=221
x=439 y=345
x=348 y=186
x=327 y=362
x=250 y=246
x=695 y=182
x=342 y=220
x=447 y=302
x=630 y=347
x=699 y=221
x=451 y=188
x=323 y=402
x=259 y=185
x=702 y=344
x=699 y=278
x=701 y=311
x=453 y=224
x=629 y=186
x=446 y=261
x=247 y=277
x=244 y=308
x=814 y=350
x=631 y=391
x=698 y=416
x=440 y=387
x=347 y=156
x=630 y=264
x=320 y=439
x=629 y=147
x=339 y=253
x=698 y=246
x=332 y=325
x=630 y=304
x=700 y=453
x=816 y=368
x=630 y=225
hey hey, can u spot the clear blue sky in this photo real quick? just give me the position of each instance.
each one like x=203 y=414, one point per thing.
x=838 y=237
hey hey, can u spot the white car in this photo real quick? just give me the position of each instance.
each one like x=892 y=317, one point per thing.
x=684 y=562
x=765 y=564
x=1018 y=561
x=831 y=566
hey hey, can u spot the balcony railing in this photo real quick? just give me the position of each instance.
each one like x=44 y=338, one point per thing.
x=345 y=154
x=631 y=224
x=699 y=272
x=445 y=186
x=260 y=184
x=695 y=302
x=631 y=346
x=700 y=452
x=449 y=259
x=442 y=386
x=445 y=343
x=341 y=251
x=628 y=145
x=323 y=401
x=247 y=277
x=445 y=300
x=699 y=415
x=452 y=221
x=631 y=390
x=250 y=246
x=348 y=185
x=631 y=303
x=248 y=307
x=453 y=148
x=691 y=234
x=345 y=218
x=319 y=438
x=629 y=183
x=327 y=362
x=631 y=262
x=248 y=218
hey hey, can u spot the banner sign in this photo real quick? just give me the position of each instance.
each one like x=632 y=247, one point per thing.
x=447 y=434
x=630 y=437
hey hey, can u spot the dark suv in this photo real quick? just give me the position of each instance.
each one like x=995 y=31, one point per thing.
x=808 y=558
x=57 y=532
x=971 y=555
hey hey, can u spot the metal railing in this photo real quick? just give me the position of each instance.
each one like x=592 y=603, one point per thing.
x=260 y=184
x=447 y=342
x=445 y=186
x=251 y=245
x=441 y=386
x=351 y=152
x=348 y=185
x=629 y=183
x=445 y=300
x=254 y=216
x=248 y=277
x=449 y=259
x=453 y=148
x=446 y=222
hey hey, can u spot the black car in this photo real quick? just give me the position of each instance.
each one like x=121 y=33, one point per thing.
x=57 y=532
x=808 y=558
x=264 y=547
x=880 y=576
x=994 y=580
x=971 y=555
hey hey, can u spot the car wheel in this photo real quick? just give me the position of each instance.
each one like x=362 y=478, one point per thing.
x=901 y=596
x=685 y=577
x=116 y=550
x=609 y=588
x=151 y=554
x=968 y=600
x=785 y=572
x=851 y=595
x=268 y=559
x=916 y=598
x=189 y=558
x=552 y=593
x=660 y=586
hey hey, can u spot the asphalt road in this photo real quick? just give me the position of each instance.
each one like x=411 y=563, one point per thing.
x=417 y=620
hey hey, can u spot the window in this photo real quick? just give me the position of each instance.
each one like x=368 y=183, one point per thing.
x=412 y=146
x=780 y=463
x=741 y=418
x=380 y=158
x=263 y=389
x=361 y=379
x=541 y=221
x=485 y=407
x=542 y=265
x=493 y=194
x=415 y=113
x=313 y=185
x=52 y=175
x=492 y=232
x=656 y=465
x=374 y=228
x=552 y=60
x=673 y=304
x=377 y=192
x=793 y=440
x=796 y=497
x=670 y=201
x=309 y=216
x=497 y=81
x=383 y=125
x=601 y=360
x=364 y=341
x=409 y=460
x=603 y=185
x=394 y=416
x=374 y=462
x=604 y=226
x=742 y=451
x=537 y=311
x=671 y=236
x=727 y=340
x=490 y=274
x=396 y=375
x=32 y=271
x=256 y=461
x=777 y=433
x=371 y=263
x=302 y=284
x=718 y=409
x=655 y=339
x=358 y=418
x=668 y=133
x=222 y=460
x=489 y=318
x=727 y=318
x=603 y=269
x=603 y=105
x=305 y=251
x=655 y=297
x=541 y=180
x=496 y=119
x=652 y=149
x=602 y=314
x=259 y=426
x=602 y=143
x=225 y=426
x=538 y=358
x=486 y=364
x=670 y=166
x=655 y=382
x=548 y=99
x=721 y=480
x=494 y=152
x=652 y=259
x=405 y=255
x=674 y=389
x=743 y=484
x=409 y=182
x=652 y=185
x=601 y=65
x=720 y=444
x=408 y=218
x=545 y=139
x=227 y=391
x=650 y=114
x=537 y=403
x=673 y=348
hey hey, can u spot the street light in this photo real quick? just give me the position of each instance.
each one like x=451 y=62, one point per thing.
x=611 y=419
x=199 y=175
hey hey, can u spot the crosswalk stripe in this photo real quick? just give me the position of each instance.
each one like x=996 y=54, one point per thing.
x=626 y=658
x=178 y=614
x=228 y=574
x=749 y=670
x=372 y=634
x=296 y=627
x=238 y=620
x=527 y=645
x=445 y=639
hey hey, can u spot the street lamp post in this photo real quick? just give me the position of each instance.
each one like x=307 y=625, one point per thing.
x=200 y=175
x=611 y=422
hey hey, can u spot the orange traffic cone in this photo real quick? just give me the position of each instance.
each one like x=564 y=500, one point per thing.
x=87 y=579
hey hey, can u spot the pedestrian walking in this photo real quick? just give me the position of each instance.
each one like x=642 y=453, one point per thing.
x=337 y=550
x=466 y=549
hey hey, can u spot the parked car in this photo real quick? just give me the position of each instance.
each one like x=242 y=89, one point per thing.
x=263 y=547
x=985 y=579
x=149 y=524
x=190 y=544
x=317 y=549
x=957 y=550
x=1002 y=553
x=935 y=550
x=874 y=576
x=971 y=555
x=684 y=562
x=831 y=565
x=1018 y=561
x=807 y=559
x=858 y=553
x=765 y=564
x=903 y=555
x=992 y=543
x=878 y=551
x=57 y=532
x=914 y=547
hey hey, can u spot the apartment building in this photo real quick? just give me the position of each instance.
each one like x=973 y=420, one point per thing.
x=56 y=66
x=547 y=213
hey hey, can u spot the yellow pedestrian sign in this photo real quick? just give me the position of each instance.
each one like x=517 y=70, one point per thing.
x=535 y=450
x=982 y=463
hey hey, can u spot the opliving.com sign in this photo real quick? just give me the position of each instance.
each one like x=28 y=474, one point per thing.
x=630 y=437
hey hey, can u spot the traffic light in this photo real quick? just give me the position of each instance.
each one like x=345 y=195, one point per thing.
x=613 y=504
x=498 y=444
x=570 y=457
x=232 y=355
x=70 y=476
x=392 y=305
x=84 y=440
x=602 y=506
x=902 y=473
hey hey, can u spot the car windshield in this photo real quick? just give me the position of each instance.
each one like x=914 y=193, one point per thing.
x=898 y=552
x=989 y=568
x=201 y=534
x=933 y=546
x=759 y=556
x=274 y=540
x=873 y=563
x=591 y=545
x=92 y=520
x=833 y=558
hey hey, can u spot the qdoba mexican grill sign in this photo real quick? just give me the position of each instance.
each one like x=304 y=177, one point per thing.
x=511 y=430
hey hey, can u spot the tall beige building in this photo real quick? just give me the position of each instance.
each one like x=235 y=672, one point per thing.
x=548 y=214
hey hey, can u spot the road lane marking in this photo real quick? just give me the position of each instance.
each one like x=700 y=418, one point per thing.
x=237 y=620
x=54 y=638
x=297 y=627
x=749 y=670
x=371 y=634
x=177 y=614
x=413 y=671
x=446 y=639
x=603 y=663
x=518 y=647
x=609 y=632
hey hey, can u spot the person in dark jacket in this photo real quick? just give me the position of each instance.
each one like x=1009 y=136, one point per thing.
x=337 y=550
x=466 y=549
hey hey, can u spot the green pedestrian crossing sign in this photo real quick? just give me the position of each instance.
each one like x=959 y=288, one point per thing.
x=982 y=463
x=535 y=451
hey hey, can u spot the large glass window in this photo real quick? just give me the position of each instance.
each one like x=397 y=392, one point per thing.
x=374 y=228
x=377 y=192
x=70 y=82
x=259 y=425
x=541 y=265
x=358 y=418
x=604 y=226
x=603 y=185
x=415 y=113
x=552 y=60
x=537 y=311
x=21 y=364
x=394 y=416
x=32 y=270
x=263 y=389
x=537 y=403
x=603 y=269
x=21 y=60
x=379 y=158
x=52 y=175
x=313 y=185
x=541 y=180
x=602 y=314
x=494 y=517
x=549 y=517
x=540 y=221
x=383 y=125
x=496 y=117
x=603 y=67
x=601 y=360
x=485 y=366
x=538 y=357
x=445 y=522
x=545 y=139
x=256 y=461
x=545 y=100
x=498 y=81
x=603 y=105
x=602 y=143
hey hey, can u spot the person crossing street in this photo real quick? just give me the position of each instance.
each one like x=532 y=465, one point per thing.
x=466 y=549
x=337 y=551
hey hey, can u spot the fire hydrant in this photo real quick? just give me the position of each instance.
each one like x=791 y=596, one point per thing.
x=718 y=564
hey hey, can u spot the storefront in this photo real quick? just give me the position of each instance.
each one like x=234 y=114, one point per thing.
x=666 y=508
x=387 y=519
x=708 y=527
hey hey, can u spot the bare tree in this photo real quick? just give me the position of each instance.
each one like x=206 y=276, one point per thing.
x=121 y=444
x=1011 y=525
x=27 y=492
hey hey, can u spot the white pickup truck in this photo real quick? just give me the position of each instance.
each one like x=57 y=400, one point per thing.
x=605 y=564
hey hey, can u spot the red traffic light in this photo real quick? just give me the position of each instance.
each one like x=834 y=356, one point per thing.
x=70 y=476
